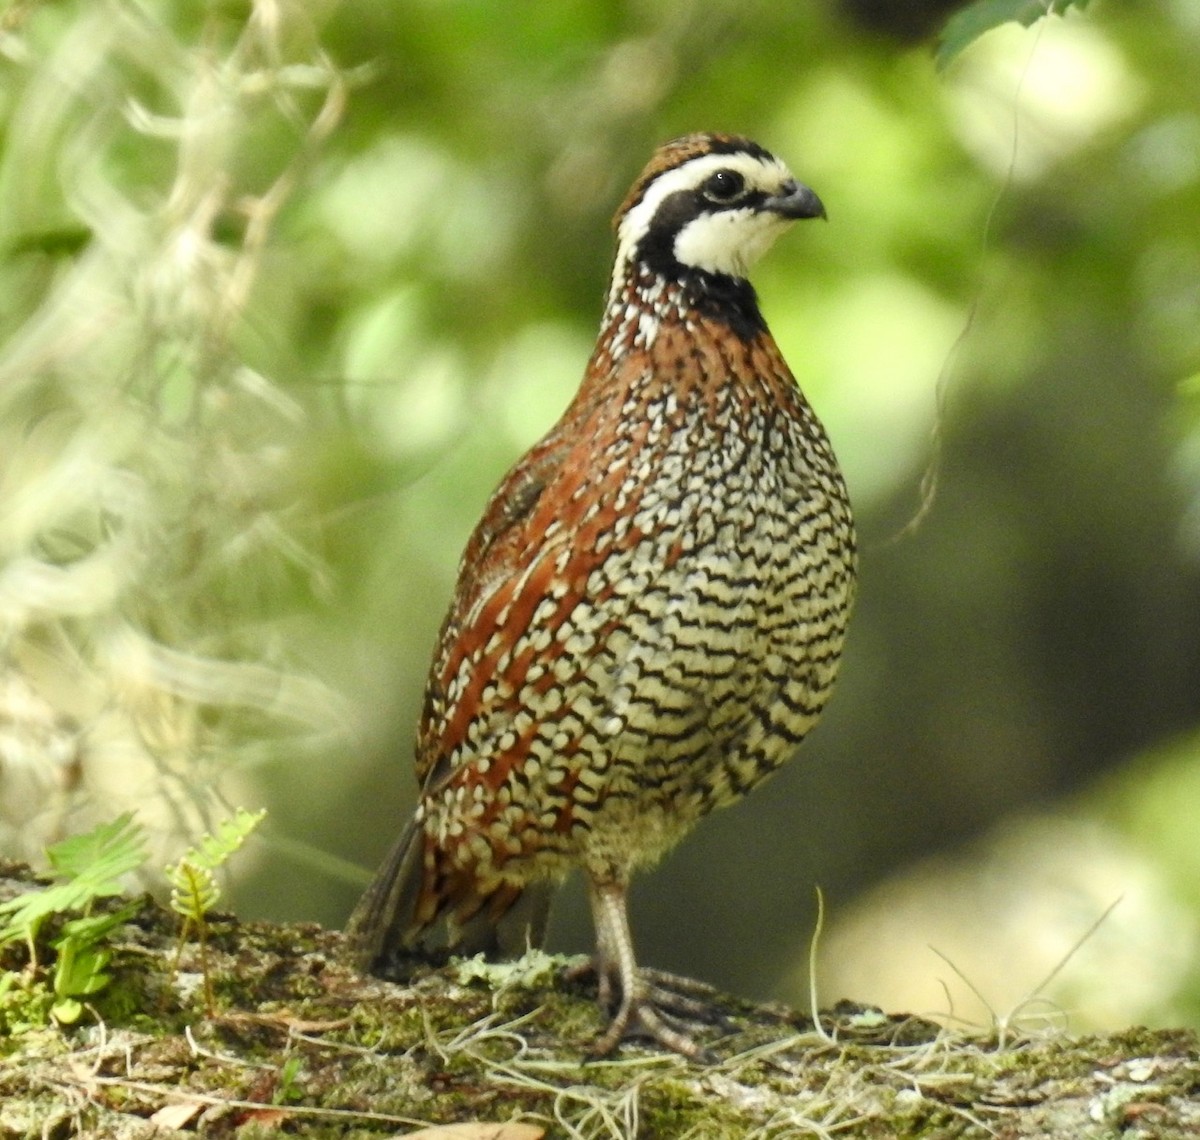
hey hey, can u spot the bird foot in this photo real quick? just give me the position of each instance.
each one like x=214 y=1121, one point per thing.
x=639 y=1016
x=658 y=1007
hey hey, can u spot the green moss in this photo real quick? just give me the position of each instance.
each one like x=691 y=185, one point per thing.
x=672 y=1110
x=298 y=1031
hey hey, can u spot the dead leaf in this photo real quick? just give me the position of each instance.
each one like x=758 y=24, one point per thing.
x=479 y=1130
x=266 y=1117
x=178 y=1115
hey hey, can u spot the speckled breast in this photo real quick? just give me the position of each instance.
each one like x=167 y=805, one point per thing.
x=680 y=616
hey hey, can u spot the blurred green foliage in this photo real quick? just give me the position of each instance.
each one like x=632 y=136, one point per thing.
x=286 y=287
x=965 y=26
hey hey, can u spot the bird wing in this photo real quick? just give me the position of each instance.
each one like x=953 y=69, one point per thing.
x=487 y=562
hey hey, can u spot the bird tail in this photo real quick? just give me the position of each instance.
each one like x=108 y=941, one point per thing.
x=415 y=907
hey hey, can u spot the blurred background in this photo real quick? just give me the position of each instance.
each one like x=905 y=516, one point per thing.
x=286 y=287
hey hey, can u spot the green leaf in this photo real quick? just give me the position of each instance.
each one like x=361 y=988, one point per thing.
x=91 y=864
x=79 y=971
x=67 y=1011
x=90 y=929
x=194 y=890
x=97 y=859
x=212 y=850
x=26 y=913
x=968 y=24
x=289 y=1089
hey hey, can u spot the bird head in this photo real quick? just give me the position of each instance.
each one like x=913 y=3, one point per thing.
x=709 y=204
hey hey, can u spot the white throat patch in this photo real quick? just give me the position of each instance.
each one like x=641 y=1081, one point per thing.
x=728 y=242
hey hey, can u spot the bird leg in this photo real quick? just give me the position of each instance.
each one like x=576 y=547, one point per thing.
x=637 y=1001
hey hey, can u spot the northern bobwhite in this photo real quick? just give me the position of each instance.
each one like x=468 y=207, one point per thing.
x=649 y=616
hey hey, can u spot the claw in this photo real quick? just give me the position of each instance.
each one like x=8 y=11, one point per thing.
x=638 y=1015
x=648 y=1003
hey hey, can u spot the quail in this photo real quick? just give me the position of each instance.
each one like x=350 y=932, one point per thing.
x=649 y=617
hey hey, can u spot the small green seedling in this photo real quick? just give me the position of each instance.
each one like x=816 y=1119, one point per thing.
x=90 y=867
x=80 y=969
x=194 y=887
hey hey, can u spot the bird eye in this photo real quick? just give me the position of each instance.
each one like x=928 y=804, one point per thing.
x=724 y=186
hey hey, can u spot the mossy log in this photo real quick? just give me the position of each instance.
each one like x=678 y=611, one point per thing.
x=299 y=1044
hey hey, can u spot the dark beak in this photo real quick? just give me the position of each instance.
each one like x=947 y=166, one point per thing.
x=796 y=201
